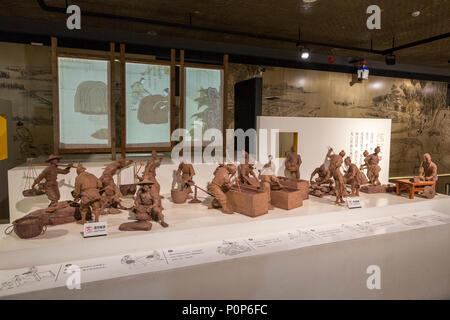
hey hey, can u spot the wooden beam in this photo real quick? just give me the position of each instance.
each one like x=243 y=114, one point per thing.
x=173 y=61
x=112 y=107
x=122 y=98
x=182 y=91
x=55 y=95
x=225 y=102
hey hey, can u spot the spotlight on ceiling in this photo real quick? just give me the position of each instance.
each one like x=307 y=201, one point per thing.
x=304 y=53
x=390 y=59
x=415 y=14
x=309 y=1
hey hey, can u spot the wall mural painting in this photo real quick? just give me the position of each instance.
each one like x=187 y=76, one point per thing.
x=204 y=99
x=30 y=91
x=147 y=104
x=83 y=103
x=418 y=109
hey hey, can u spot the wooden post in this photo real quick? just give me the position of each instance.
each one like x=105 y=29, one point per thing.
x=55 y=95
x=122 y=99
x=182 y=89
x=112 y=107
x=225 y=103
x=172 y=92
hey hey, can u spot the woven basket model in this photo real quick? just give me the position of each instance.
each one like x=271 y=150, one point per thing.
x=27 y=227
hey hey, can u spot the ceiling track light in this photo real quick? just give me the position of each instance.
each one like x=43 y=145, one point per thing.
x=304 y=53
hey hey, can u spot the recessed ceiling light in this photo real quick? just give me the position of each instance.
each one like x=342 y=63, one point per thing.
x=415 y=14
x=309 y=1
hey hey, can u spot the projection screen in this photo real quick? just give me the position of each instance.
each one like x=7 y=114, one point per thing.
x=147 y=105
x=203 y=100
x=83 y=103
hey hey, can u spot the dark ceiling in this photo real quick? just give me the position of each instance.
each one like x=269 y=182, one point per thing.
x=339 y=22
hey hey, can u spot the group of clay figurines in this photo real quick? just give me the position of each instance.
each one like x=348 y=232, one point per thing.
x=102 y=195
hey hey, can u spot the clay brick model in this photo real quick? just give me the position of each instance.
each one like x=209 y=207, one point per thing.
x=87 y=187
x=428 y=169
x=50 y=174
x=292 y=164
x=220 y=186
x=147 y=206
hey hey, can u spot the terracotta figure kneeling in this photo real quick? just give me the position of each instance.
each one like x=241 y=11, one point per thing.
x=147 y=207
x=220 y=185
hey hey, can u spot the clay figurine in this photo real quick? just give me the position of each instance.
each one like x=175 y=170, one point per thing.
x=110 y=200
x=428 y=169
x=107 y=178
x=292 y=164
x=354 y=177
x=336 y=161
x=150 y=170
x=50 y=174
x=269 y=180
x=87 y=188
x=220 y=185
x=371 y=164
x=184 y=173
x=245 y=171
x=147 y=206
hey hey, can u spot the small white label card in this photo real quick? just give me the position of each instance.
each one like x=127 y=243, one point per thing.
x=353 y=203
x=95 y=229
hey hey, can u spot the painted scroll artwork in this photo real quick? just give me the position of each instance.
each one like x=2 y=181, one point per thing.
x=204 y=99
x=83 y=102
x=147 y=104
x=91 y=98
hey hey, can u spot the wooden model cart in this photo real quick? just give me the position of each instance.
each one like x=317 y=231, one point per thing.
x=428 y=187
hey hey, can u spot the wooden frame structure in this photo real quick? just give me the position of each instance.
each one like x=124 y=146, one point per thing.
x=172 y=64
x=224 y=69
x=111 y=57
x=56 y=53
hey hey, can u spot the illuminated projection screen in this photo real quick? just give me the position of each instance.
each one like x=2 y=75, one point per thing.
x=204 y=99
x=83 y=103
x=147 y=105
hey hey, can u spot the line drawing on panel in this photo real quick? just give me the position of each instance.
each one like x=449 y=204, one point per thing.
x=232 y=248
x=31 y=276
x=141 y=260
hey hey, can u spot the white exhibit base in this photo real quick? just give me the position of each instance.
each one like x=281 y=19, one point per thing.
x=316 y=251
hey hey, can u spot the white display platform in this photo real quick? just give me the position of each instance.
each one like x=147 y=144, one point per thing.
x=316 y=251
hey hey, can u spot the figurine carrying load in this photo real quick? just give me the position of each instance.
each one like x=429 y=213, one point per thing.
x=428 y=169
x=246 y=171
x=336 y=161
x=50 y=174
x=292 y=164
x=220 y=185
x=87 y=188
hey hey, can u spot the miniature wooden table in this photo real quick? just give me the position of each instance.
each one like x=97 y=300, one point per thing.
x=412 y=187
